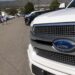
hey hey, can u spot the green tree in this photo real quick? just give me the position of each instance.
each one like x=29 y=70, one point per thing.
x=29 y=7
x=54 y=5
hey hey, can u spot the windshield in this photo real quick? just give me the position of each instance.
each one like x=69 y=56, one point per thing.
x=72 y=4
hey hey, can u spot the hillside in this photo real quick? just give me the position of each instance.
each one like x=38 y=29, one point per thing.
x=18 y=3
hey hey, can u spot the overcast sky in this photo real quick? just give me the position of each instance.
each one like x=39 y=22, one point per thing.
x=6 y=0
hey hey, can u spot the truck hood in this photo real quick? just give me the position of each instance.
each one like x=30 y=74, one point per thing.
x=64 y=15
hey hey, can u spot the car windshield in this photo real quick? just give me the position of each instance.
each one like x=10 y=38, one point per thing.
x=72 y=4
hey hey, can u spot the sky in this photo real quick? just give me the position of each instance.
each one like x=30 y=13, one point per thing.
x=6 y=0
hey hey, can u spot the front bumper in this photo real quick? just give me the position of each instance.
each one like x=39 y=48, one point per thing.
x=50 y=66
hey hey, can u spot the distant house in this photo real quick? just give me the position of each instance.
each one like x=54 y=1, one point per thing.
x=65 y=1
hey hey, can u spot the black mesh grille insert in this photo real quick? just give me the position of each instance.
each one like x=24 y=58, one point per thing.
x=62 y=30
x=59 y=57
x=38 y=71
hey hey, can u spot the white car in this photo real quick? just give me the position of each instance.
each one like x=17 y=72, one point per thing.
x=52 y=47
x=11 y=17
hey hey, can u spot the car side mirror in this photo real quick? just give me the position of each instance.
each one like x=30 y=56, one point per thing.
x=62 y=5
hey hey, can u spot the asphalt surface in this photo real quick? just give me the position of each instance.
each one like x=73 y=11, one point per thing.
x=14 y=40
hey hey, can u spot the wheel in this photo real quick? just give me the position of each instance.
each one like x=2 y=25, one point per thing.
x=27 y=21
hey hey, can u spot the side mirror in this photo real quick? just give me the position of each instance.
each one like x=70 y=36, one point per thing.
x=62 y=5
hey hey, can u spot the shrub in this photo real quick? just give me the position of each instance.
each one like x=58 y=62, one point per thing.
x=29 y=7
x=54 y=5
x=11 y=11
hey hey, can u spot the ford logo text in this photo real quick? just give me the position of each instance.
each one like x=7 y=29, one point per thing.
x=64 y=45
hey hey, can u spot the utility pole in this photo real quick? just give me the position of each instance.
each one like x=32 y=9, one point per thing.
x=38 y=4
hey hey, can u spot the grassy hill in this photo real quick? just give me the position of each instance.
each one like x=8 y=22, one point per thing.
x=12 y=3
x=18 y=3
x=47 y=1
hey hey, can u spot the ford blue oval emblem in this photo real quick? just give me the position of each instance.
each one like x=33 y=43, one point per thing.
x=64 y=45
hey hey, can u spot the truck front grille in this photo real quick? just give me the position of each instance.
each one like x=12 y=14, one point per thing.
x=51 y=32
x=52 y=29
x=58 y=57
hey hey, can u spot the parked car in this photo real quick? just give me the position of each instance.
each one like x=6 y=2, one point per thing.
x=9 y=17
x=1 y=19
x=52 y=47
x=30 y=17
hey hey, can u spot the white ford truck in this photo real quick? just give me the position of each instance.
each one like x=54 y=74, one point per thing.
x=52 y=47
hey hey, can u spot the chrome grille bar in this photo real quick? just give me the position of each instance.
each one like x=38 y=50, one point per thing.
x=63 y=30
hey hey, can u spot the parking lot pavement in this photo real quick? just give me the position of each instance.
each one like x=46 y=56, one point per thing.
x=14 y=40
